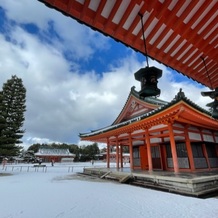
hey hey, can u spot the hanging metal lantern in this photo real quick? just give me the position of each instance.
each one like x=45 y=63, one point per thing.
x=213 y=105
x=215 y=109
x=148 y=77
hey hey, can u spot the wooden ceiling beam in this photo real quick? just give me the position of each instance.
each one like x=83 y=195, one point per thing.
x=98 y=15
x=196 y=23
x=138 y=39
x=124 y=18
x=161 y=19
x=108 y=26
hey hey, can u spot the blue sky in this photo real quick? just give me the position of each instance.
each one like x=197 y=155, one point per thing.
x=77 y=79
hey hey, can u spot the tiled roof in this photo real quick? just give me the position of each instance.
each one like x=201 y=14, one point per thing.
x=54 y=151
x=179 y=97
x=151 y=100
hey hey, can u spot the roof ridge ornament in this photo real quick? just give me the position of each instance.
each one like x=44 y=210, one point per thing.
x=213 y=105
x=180 y=94
x=212 y=94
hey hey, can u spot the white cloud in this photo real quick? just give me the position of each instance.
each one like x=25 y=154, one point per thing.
x=61 y=102
x=69 y=34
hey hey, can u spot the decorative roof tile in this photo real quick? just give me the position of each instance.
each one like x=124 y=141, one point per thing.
x=180 y=96
x=54 y=151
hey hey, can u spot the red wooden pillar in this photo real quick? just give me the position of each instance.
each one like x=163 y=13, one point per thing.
x=163 y=154
x=108 y=153
x=189 y=149
x=164 y=157
x=201 y=134
x=213 y=135
x=173 y=148
x=131 y=152
x=121 y=156
x=206 y=155
x=216 y=147
x=117 y=153
x=147 y=138
x=204 y=150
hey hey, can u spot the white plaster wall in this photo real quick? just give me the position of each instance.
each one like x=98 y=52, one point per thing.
x=194 y=136
x=208 y=138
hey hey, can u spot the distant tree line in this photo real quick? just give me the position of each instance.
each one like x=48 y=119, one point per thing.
x=83 y=153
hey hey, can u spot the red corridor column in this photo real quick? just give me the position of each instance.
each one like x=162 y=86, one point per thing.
x=173 y=148
x=189 y=149
x=130 y=152
x=117 y=153
x=147 y=138
x=108 y=153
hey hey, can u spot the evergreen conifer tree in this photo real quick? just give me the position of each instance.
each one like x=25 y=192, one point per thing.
x=2 y=119
x=12 y=106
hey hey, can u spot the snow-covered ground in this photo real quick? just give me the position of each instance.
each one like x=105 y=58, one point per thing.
x=60 y=193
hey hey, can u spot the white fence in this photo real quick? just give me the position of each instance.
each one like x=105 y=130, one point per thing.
x=47 y=167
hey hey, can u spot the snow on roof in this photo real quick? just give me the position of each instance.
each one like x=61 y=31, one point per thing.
x=114 y=152
x=180 y=96
x=54 y=151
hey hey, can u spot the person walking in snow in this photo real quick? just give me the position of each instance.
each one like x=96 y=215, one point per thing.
x=52 y=162
x=4 y=162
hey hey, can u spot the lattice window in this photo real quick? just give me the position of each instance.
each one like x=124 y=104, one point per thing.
x=197 y=150
x=211 y=150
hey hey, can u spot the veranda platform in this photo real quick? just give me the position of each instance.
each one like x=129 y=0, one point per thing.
x=199 y=184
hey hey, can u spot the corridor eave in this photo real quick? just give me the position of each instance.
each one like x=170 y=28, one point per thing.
x=178 y=34
x=180 y=111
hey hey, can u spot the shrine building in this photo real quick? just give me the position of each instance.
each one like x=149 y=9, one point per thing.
x=177 y=136
x=57 y=155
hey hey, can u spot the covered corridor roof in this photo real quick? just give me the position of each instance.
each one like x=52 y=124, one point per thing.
x=178 y=33
x=180 y=109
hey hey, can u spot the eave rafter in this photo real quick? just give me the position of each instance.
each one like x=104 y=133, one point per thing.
x=143 y=124
x=195 y=118
x=180 y=112
x=178 y=33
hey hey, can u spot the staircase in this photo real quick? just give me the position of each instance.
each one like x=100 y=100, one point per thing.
x=107 y=174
